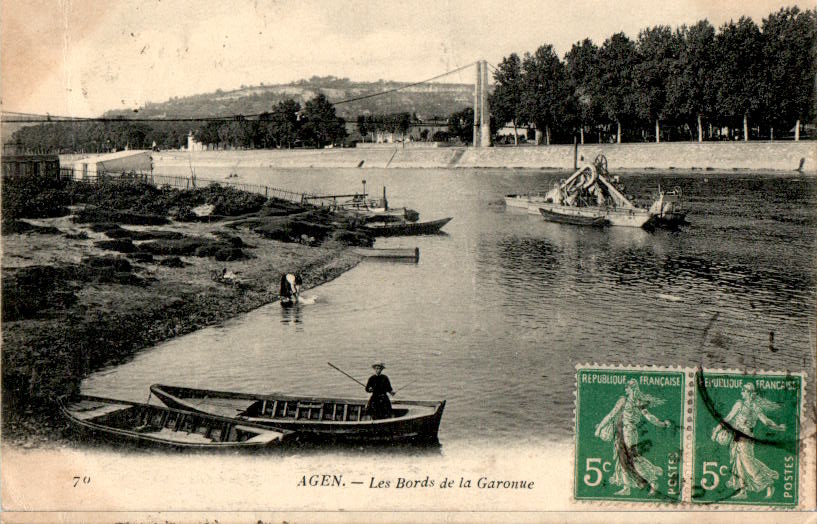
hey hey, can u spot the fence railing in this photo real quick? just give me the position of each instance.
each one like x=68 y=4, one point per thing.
x=182 y=182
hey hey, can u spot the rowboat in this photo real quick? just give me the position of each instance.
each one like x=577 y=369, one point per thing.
x=395 y=253
x=312 y=417
x=360 y=206
x=395 y=229
x=165 y=427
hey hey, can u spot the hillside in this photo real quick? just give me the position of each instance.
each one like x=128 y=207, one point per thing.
x=426 y=100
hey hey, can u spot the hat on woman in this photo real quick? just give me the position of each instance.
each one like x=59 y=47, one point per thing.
x=379 y=365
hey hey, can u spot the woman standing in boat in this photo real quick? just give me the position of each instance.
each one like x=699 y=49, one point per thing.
x=379 y=405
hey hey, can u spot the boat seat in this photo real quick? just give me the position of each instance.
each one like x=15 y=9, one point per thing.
x=98 y=411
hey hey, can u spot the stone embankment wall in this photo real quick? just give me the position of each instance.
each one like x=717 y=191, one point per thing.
x=714 y=156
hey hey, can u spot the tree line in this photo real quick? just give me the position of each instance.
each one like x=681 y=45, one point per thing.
x=694 y=80
x=288 y=125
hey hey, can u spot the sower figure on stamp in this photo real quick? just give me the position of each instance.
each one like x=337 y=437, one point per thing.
x=621 y=426
x=748 y=473
x=379 y=405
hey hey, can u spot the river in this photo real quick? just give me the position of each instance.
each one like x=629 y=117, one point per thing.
x=500 y=309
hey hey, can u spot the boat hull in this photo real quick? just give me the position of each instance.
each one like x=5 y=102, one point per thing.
x=416 y=421
x=407 y=228
x=157 y=426
x=594 y=216
x=527 y=203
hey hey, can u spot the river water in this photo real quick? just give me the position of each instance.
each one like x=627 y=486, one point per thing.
x=500 y=309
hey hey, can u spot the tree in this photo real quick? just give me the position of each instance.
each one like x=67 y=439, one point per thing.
x=789 y=67
x=362 y=127
x=582 y=70
x=506 y=100
x=284 y=123
x=657 y=55
x=460 y=125
x=546 y=92
x=690 y=91
x=617 y=59
x=320 y=125
x=209 y=133
x=737 y=76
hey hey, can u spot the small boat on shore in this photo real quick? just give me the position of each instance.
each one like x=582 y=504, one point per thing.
x=395 y=229
x=165 y=427
x=312 y=417
x=365 y=208
x=397 y=253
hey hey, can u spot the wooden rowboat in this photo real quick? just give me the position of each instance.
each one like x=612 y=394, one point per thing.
x=392 y=229
x=312 y=417
x=165 y=427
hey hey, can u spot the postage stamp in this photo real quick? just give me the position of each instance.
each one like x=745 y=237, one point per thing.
x=747 y=443
x=629 y=435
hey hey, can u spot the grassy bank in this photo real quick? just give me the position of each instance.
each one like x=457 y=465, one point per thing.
x=93 y=274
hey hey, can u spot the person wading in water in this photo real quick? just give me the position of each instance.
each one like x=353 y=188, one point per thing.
x=379 y=405
x=290 y=289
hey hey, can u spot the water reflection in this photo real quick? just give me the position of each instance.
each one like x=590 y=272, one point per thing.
x=292 y=315
x=497 y=313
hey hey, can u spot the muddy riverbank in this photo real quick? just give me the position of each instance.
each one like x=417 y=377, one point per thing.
x=93 y=275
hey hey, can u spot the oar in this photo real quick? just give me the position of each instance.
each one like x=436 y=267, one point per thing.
x=347 y=374
x=404 y=386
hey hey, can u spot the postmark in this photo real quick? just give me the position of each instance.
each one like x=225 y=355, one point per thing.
x=746 y=444
x=629 y=435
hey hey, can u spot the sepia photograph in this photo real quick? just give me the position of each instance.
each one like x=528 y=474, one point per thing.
x=375 y=261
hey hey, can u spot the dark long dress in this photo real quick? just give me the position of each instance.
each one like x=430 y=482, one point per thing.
x=379 y=405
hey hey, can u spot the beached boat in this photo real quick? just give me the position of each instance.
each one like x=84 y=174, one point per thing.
x=165 y=427
x=588 y=197
x=363 y=207
x=396 y=229
x=313 y=417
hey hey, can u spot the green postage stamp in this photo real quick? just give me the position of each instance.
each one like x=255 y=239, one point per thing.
x=747 y=439
x=646 y=434
x=629 y=435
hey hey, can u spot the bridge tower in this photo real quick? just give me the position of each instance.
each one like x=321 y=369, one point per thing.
x=482 y=115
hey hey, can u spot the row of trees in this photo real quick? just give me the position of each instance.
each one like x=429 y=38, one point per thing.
x=687 y=77
x=394 y=123
x=287 y=125
x=101 y=137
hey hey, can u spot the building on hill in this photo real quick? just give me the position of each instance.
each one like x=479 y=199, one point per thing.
x=122 y=162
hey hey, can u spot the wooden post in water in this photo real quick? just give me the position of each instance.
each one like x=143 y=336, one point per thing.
x=575 y=153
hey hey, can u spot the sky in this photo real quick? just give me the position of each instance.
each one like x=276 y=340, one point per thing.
x=84 y=57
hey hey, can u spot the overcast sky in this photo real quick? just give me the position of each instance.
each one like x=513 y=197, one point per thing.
x=83 y=57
